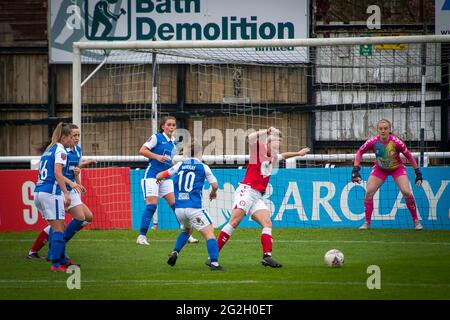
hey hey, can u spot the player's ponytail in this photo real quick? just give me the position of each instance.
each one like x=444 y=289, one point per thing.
x=61 y=130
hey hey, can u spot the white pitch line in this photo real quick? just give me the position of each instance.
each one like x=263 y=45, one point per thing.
x=147 y=282
x=250 y=241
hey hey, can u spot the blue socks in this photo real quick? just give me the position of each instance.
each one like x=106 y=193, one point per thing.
x=213 y=249
x=50 y=237
x=147 y=218
x=57 y=248
x=73 y=227
x=181 y=241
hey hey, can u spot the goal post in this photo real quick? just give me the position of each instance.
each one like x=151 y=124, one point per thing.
x=235 y=86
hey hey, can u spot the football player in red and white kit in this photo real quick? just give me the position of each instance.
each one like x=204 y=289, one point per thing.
x=248 y=197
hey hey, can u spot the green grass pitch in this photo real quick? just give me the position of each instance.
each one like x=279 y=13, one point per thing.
x=414 y=265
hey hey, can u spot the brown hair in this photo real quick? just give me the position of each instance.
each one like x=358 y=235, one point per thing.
x=62 y=130
x=163 y=122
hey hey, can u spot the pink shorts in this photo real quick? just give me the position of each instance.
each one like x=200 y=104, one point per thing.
x=383 y=174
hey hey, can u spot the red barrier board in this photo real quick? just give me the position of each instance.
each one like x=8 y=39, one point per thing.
x=17 y=209
x=108 y=197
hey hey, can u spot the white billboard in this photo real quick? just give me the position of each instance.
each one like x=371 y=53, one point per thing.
x=171 y=20
x=442 y=16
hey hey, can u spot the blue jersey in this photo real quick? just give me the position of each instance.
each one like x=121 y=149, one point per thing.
x=73 y=160
x=47 y=180
x=161 y=144
x=190 y=176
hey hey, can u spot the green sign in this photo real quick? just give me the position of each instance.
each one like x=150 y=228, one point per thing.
x=365 y=50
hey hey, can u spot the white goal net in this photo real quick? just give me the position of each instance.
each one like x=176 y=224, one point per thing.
x=327 y=94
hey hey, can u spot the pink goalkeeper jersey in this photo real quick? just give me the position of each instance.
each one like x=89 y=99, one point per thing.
x=387 y=154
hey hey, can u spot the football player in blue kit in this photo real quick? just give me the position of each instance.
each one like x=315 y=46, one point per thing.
x=189 y=178
x=51 y=195
x=80 y=213
x=160 y=150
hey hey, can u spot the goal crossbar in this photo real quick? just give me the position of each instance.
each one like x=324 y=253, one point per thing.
x=316 y=42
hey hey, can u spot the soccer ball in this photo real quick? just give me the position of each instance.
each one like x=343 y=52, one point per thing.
x=334 y=258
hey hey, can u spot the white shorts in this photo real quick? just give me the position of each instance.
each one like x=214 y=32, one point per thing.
x=193 y=218
x=75 y=199
x=152 y=189
x=50 y=206
x=248 y=199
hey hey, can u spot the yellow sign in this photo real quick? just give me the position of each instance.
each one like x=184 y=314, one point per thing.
x=390 y=46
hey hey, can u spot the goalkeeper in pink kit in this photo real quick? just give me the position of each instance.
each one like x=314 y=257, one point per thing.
x=387 y=148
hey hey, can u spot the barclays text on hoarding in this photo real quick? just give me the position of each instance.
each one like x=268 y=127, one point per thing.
x=321 y=197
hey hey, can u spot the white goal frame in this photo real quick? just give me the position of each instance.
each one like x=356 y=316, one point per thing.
x=313 y=42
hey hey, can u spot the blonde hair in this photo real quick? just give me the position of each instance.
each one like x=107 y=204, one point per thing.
x=385 y=121
x=61 y=130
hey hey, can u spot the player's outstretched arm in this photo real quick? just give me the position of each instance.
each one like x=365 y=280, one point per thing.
x=300 y=153
x=85 y=163
x=168 y=173
x=162 y=176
